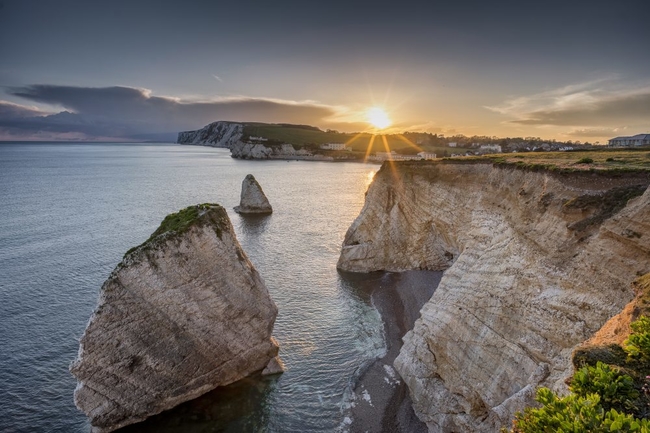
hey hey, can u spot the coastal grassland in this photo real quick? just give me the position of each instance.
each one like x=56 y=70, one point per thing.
x=623 y=160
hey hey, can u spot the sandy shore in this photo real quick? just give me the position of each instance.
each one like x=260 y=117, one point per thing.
x=382 y=403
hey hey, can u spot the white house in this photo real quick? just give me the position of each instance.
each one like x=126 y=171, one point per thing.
x=452 y=144
x=333 y=146
x=494 y=148
x=634 y=140
x=427 y=155
x=392 y=156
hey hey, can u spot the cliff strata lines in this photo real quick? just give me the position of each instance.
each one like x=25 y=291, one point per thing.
x=536 y=262
x=216 y=134
x=183 y=313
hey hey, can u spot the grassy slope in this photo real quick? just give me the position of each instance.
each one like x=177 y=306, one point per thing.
x=602 y=160
x=300 y=136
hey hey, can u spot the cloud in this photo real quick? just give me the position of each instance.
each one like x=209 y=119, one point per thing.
x=600 y=103
x=597 y=132
x=132 y=112
x=10 y=110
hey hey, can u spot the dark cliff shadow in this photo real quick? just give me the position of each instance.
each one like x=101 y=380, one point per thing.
x=240 y=407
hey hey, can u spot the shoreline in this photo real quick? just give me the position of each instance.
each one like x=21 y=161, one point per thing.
x=381 y=400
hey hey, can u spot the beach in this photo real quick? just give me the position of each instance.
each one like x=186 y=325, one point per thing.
x=381 y=403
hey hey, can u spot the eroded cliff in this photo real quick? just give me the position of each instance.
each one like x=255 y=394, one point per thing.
x=183 y=313
x=216 y=134
x=536 y=262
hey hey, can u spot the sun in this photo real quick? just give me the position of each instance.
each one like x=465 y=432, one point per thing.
x=378 y=118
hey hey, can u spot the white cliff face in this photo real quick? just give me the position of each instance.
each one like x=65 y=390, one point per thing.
x=216 y=134
x=182 y=314
x=535 y=264
x=251 y=151
x=252 y=200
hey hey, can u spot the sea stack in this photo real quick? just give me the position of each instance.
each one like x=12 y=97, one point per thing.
x=182 y=314
x=253 y=200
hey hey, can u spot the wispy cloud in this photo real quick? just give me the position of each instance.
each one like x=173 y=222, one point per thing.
x=9 y=110
x=600 y=103
x=133 y=112
x=218 y=78
x=597 y=132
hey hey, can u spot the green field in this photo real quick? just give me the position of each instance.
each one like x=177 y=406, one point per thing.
x=306 y=136
x=596 y=160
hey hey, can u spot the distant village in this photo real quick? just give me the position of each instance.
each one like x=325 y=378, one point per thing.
x=431 y=146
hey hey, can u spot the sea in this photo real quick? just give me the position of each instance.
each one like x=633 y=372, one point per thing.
x=68 y=213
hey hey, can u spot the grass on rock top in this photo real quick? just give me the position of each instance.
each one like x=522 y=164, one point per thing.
x=179 y=222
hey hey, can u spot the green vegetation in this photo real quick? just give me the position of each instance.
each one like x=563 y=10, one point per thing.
x=601 y=160
x=615 y=389
x=638 y=343
x=179 y=222
x=575 y=414
x=610 y=391
x=360 y=143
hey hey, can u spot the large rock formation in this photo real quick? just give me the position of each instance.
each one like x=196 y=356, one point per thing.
x=183 y=313
x=536 y=262
x=216 y=134
x=252 y=200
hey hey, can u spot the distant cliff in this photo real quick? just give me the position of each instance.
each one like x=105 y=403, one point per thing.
x=535 y=263
x=244 y=146
x=183 y=313
x=216 y=134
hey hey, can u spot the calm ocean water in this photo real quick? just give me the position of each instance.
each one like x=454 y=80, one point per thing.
x=68 y=212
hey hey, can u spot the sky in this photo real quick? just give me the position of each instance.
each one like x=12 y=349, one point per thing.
x=145 y=70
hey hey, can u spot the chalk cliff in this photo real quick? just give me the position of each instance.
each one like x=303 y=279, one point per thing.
x=216 y=134
x=536 y=262
x=183 y=313
x=252 y=199
x=231 y=135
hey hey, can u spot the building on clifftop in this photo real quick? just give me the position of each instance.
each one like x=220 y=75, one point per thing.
x=627 y=141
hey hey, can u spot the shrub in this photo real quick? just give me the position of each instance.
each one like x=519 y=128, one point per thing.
x=616 y=390
x=574 y=414
x=585 y=161
x=637 y=345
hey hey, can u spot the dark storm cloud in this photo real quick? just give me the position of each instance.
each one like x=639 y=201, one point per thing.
x=131 y=112
x=626 y=109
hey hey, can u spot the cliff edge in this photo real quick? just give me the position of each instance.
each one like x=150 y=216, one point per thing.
x=183 y=313
x=536 y=262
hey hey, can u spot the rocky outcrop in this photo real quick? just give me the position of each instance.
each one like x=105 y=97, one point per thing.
x=536 y=262
x=216 y=134
x=183 y=313
x=251 y=151
x=253 y=200
x=285 y=151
